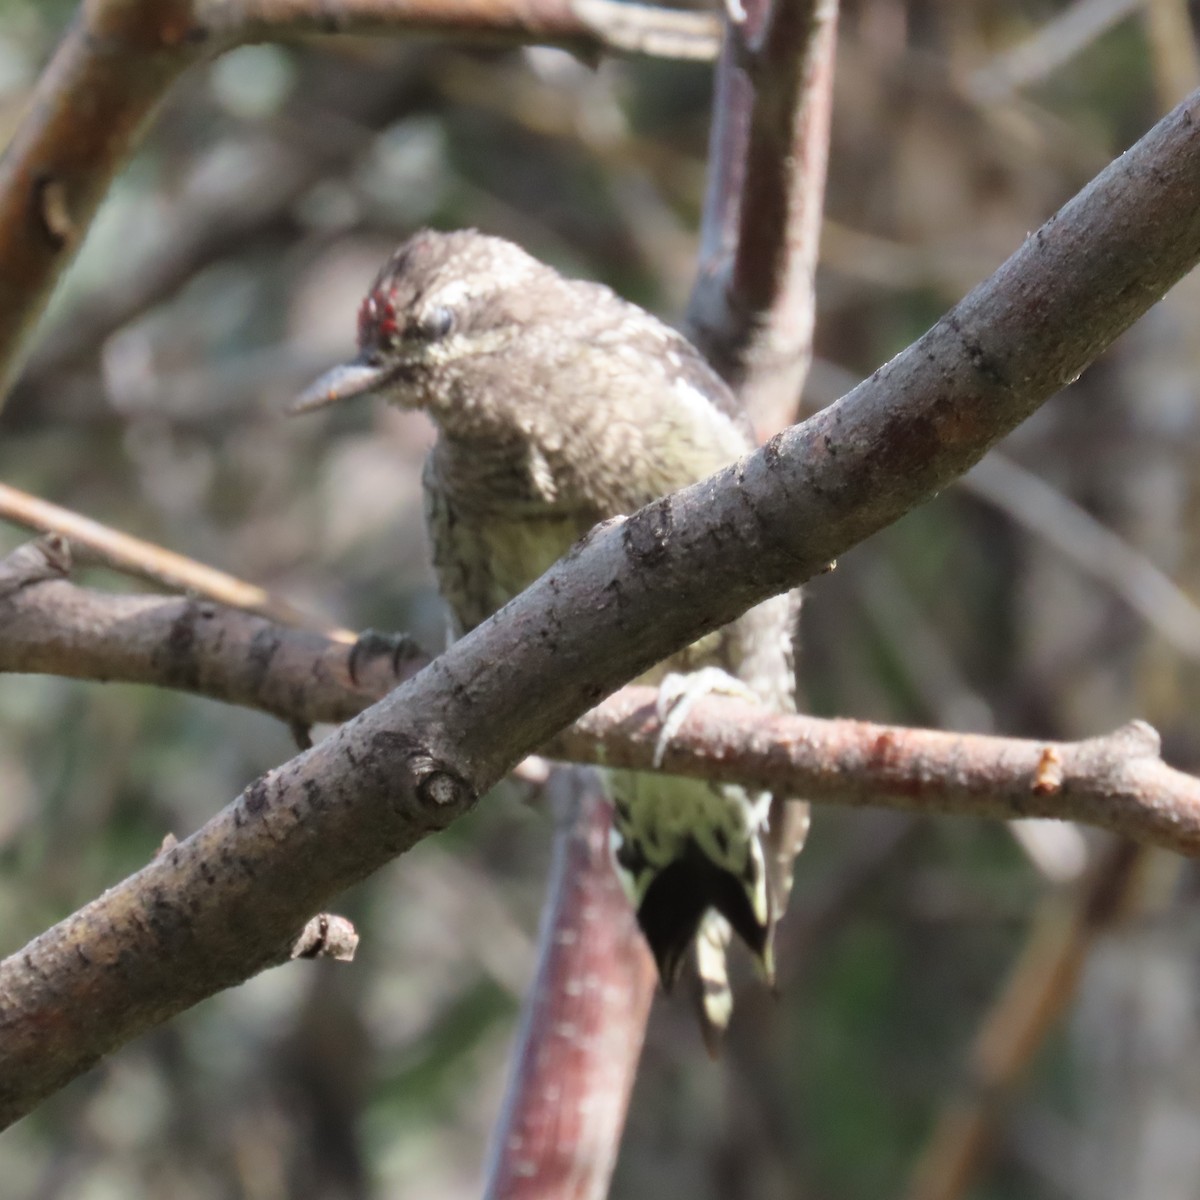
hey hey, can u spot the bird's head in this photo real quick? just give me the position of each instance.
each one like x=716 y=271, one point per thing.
x=441 y=302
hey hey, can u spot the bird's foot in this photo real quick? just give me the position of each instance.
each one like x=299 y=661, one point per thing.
x=400 y=650
x=677 y=694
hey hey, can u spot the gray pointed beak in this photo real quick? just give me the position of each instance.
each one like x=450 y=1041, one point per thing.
x=357 y=378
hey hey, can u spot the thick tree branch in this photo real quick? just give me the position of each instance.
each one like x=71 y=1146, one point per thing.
x=217 y=907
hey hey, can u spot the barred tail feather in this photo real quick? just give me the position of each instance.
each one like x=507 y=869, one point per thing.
x=713 y=996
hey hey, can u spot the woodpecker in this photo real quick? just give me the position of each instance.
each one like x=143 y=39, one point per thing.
x=558 y=405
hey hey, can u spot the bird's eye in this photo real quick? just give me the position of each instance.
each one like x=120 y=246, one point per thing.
x=436 y=324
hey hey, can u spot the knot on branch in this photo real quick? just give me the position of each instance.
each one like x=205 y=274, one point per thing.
x=440 y=788
x=1138 y=739
x=35 y=562
x=327 y=936
x=649 y=530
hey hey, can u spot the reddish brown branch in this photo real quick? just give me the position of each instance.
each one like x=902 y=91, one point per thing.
x=576 y=1055
x=1117 y=781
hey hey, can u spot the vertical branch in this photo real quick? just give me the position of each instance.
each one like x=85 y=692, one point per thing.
x=752 y=307
x=584 y=1019
x=752 y=315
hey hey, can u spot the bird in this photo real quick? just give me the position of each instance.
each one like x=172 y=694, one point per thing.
x=559 y=405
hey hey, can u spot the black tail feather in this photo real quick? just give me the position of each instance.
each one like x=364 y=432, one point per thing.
x=677 y=899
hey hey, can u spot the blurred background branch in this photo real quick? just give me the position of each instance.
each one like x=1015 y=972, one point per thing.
x=118 y=59
x=154 y=563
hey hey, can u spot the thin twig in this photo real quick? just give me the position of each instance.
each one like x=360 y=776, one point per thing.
x=1172 y=37
x=1096 y=550
x=158 y=565
x=1055 y=43
x=1047 y=513
x=588 y=27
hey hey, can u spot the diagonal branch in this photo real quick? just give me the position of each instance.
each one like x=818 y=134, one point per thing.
x=1092 y=547
x=213 y=910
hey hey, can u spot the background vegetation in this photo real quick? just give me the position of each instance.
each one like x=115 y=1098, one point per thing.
x=226 y=269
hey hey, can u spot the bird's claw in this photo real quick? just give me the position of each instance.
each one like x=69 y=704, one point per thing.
x=398 y=648
x=678 y=692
